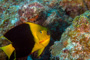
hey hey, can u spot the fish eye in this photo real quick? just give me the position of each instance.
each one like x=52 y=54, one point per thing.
x=40 y=31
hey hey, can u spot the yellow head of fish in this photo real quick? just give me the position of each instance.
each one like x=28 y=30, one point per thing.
x=41 y=37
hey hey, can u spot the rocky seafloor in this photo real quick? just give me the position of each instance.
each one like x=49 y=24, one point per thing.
x=67 y=20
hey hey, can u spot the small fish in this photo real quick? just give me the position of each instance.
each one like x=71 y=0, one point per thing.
x=26 y=39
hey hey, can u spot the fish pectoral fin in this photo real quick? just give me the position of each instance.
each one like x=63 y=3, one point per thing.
x=9 y=49
x=40 y=51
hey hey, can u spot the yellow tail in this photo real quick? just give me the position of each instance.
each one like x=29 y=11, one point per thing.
x=9 y=49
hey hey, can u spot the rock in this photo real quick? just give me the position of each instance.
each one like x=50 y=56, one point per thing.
x=74 y=42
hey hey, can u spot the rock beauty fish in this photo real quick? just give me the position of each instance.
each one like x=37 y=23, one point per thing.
x=25 y=39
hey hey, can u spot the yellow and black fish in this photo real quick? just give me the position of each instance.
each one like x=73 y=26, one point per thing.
x=26 y=39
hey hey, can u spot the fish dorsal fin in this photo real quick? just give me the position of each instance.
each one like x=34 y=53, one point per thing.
x=8 y=49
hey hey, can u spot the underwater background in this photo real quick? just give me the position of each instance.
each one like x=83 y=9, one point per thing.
x=67 y=20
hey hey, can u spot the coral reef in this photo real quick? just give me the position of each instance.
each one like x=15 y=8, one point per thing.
x=75 y=41
x=75 y=7
x=56 y=15
x=87 y=3
x=8 y=16
x=30 y=12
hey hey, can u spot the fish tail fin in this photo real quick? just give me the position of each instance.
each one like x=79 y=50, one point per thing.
x=9 y=49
